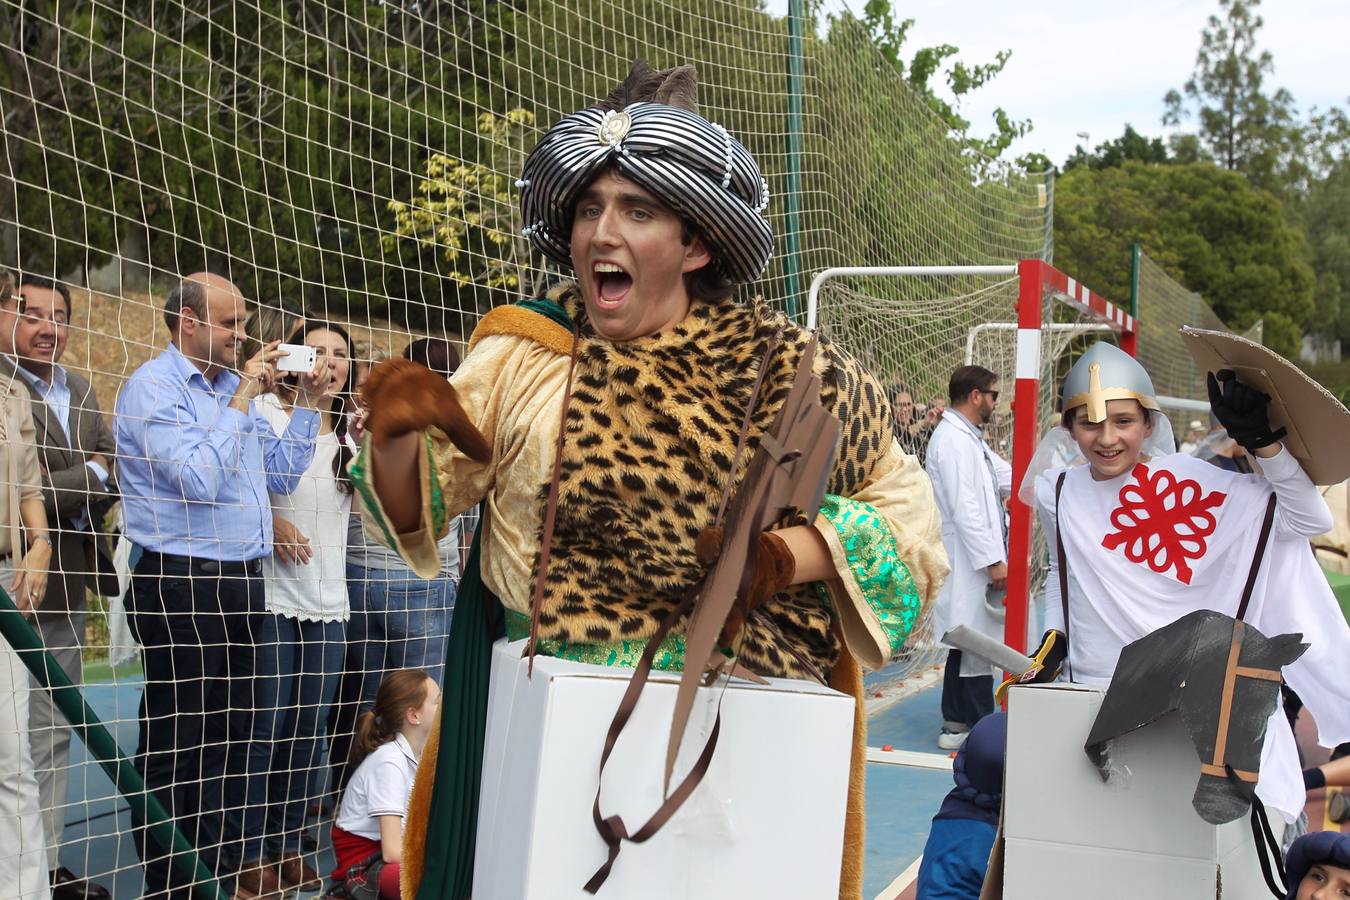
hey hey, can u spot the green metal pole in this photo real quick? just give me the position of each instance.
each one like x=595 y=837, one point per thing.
x=796 y=20
x=145 y=806
x=1135 y=253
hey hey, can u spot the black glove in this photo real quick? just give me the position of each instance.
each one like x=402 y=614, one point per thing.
x=1242 y=410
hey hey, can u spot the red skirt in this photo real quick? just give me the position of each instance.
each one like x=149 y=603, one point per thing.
x=350 y=849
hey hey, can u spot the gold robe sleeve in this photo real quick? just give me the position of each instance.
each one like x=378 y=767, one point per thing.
x=509 y=385
x=885 y=541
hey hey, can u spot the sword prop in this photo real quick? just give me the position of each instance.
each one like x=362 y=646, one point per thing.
x=968 y=640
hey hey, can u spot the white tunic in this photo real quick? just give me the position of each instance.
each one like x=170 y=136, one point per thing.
x=316 y=591
x=1194 y=563
x=969 y=480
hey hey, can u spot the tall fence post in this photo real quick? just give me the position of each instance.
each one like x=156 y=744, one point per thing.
x=1129 y=340
x=796 y=22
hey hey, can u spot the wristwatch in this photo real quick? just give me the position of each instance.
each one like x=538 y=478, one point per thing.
x=39 y=537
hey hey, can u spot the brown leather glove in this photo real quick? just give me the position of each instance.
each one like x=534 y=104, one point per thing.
x=775 y=567
x=404 y=396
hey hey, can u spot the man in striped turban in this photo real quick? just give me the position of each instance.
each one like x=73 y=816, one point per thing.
x=634 y=375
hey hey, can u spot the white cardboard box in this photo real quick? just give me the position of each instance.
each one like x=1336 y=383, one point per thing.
x=767 y=821
x=1069 y=834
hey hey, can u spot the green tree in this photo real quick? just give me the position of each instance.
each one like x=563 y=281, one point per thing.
x=264 y=139
x=466 y=211
x=1208 y=227
x=1130 y=145
x=1242 y=126
x=1326 y=217
x=889 y=34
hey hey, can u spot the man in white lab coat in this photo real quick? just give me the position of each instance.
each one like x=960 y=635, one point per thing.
x=969 y=482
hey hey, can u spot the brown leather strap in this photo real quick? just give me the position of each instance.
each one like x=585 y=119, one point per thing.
x=1226 y=698
x=550 y=512
x=612 y=829
x=1218 y=766
x=1232 y=672
x=745 y=429
x=1222 y=772
x=1063 y=562
x=1256 y=559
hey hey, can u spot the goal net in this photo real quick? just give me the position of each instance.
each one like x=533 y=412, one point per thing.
x=1165 y=306
x=354 y=164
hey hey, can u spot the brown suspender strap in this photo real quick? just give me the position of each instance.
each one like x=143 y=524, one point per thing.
x=1256 y=559
x=550 y=512
x=1063 y=562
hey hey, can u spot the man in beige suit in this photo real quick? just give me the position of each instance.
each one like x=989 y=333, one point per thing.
x=75 y=448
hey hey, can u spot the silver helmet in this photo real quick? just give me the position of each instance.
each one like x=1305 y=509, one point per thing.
x=1105 y=372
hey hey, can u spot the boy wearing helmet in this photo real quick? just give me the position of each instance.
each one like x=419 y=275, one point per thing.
x=1150 y=535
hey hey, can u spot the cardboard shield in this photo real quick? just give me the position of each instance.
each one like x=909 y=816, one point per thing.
x=1318 y=424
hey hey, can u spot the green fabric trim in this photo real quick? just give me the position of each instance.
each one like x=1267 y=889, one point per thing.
x=550 y=309
x=624 y=654
x=359 y=474
x=360 y=478
x=885 y=581
x=435 y=498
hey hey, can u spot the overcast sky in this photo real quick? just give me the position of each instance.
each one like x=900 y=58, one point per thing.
x=1088 y=66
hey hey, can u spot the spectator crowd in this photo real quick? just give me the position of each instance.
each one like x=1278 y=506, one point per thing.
x=267 y=616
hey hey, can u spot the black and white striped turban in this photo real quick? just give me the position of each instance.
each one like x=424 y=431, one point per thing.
x=692 y=165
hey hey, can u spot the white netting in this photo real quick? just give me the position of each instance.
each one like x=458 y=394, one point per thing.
x=1165 y=305
x=355 y=163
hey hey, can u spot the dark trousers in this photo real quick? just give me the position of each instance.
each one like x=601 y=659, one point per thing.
x=965 y=700
x=196 y=621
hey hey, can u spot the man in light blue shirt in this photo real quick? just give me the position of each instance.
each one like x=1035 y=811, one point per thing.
x=195 y=463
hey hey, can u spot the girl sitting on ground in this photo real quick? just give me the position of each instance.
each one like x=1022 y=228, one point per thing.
x=368 y=831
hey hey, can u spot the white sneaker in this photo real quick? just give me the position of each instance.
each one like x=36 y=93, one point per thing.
x=952 y=740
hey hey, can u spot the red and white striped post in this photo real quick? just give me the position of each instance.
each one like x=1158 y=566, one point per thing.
x=1031 y=277
x=1034 y=276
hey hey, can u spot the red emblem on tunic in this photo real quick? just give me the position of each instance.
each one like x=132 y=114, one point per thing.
x=1163 y=521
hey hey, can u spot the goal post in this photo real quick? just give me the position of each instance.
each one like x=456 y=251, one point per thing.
x=813 y=296
x=1038 y=280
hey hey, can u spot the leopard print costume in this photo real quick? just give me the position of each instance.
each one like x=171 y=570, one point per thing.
x=650 y=437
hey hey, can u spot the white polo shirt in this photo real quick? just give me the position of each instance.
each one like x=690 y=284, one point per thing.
x=380 y=786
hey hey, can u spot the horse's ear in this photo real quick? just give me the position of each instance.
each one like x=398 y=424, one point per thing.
x=1287 y=647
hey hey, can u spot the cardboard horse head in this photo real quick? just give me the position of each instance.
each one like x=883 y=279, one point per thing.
x=1223 y=676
